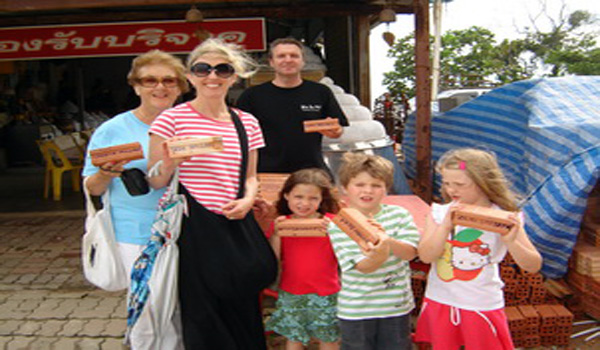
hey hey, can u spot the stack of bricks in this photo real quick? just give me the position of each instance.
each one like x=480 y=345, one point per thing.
x=539 y=325
x=590 y=226
x=584 y=276
x=532 y=333
x=534 y=316
x=584 y=266
x=521 y=287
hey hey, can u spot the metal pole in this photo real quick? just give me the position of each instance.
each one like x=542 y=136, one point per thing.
x=437 y=43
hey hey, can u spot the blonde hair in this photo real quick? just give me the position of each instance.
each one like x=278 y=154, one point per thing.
x=377 y=167
x=482 y=167
x=234 y=54
x=158 y=57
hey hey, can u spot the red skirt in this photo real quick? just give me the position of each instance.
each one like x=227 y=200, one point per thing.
x=448 y=327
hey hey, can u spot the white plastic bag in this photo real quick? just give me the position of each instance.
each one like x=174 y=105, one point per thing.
x=100 y=256
x=153 y=315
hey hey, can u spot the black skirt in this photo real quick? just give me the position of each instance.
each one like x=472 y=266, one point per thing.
x=223 y=266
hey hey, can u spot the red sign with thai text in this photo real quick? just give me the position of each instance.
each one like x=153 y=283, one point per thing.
x=124 y=39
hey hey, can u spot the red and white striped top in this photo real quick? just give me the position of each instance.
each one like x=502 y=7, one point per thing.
x=212 y=179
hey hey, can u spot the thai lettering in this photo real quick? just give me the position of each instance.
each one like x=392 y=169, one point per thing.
x=177 y=38
x=61 y=40
x=152 y=36
x=232 y=37
x=112 y=41
x=79 y=43
x=9 y=46
x=33 y=45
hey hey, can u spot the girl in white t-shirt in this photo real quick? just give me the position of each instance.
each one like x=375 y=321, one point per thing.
x=464 y=302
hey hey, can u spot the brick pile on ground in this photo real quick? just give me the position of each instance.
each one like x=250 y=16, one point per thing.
x=584 y=266
x=535 y=317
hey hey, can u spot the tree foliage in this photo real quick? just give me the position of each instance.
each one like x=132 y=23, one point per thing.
x=471 y=57
x=566 y=47
x=468 y=58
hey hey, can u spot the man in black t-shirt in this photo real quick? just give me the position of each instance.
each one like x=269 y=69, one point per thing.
x=283 y=104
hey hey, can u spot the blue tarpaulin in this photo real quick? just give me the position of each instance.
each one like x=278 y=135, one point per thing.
x=546 y=135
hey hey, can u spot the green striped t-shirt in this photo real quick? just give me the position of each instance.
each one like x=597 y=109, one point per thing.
x=385 y=292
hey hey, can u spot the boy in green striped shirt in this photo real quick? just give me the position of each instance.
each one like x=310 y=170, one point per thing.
x=375 y=301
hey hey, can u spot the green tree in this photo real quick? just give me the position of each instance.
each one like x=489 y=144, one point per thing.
x=468 y=58
x=471 y=57
x=568 y=47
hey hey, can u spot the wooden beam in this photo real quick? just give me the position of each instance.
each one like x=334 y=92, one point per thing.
x=423 y=86
x=61 y=5
x=363 y=23
x=178 y=12
x=46 y=5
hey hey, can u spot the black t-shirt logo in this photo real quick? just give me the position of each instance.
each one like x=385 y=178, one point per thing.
x=311 y=108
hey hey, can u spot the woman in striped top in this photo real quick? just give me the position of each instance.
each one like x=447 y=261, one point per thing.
x=219 y=300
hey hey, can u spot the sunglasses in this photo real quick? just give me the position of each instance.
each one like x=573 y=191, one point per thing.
x=222 y=70
x=151 y=82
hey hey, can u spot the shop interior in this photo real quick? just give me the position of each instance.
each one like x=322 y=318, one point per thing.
x=65 y=100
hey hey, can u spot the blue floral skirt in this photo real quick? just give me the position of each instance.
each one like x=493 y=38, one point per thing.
x=302 y=317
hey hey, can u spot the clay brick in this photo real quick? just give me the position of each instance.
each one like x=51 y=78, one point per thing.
x=356 y=226
x=563 y=315
x=507 y=273
x=508 y=260
x=494 y=220
x=318 y=125
x=547 y=340
x=510 y=285
x=562 y=339
x=127 y=151
x=195 y=146
x=535 y=279
x=538 y=295
x=516 y=320
x=547 y=315
x=270 y=184
x=301 y=228
x=532 y=341
x=522 y=291
x=531 y=315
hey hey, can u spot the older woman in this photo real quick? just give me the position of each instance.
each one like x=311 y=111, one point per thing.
x=158 y=78
x=225 y=259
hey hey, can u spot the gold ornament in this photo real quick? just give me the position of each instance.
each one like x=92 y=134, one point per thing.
x=194 y=15
x=389 y=38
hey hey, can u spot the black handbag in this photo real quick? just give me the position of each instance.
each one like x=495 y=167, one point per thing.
x=135 y=181
x=235 y=259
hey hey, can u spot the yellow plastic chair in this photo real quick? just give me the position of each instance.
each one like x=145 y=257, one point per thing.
x=80 y=140
x=56 y=164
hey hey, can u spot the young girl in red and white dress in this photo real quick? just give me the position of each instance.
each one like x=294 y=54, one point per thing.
x=309 y=282
x=464 y=301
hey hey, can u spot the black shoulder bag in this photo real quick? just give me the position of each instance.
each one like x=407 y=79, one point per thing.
x=235 y=257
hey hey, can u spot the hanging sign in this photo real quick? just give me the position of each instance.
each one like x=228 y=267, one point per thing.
x=124 y=39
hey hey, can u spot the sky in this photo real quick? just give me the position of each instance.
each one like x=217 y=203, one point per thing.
x=505 y=18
